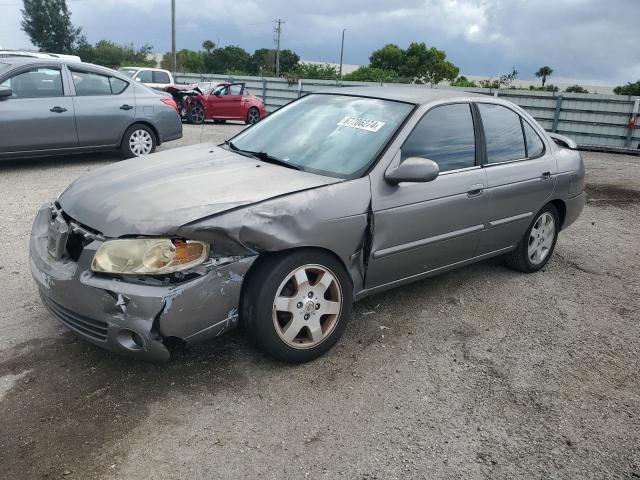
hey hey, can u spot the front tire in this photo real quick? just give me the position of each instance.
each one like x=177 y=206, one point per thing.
x=196 y=114
x=296 y=305
x=137 y=141
x=538 y=243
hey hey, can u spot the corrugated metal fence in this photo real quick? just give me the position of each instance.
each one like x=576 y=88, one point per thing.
x=592 y=120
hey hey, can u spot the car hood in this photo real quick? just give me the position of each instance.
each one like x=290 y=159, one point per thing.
x=156 y=194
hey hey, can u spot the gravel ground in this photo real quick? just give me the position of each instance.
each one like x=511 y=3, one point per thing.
x=481 y=372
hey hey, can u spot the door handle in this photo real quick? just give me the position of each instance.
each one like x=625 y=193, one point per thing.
x=546 y=176
x=125 y=107
x=475 y=190
x=58 y=110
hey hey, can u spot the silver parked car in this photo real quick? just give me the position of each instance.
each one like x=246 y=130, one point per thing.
x=52 y=107
x=334 y=197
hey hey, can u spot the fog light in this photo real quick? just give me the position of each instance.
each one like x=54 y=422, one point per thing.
x=130 y=340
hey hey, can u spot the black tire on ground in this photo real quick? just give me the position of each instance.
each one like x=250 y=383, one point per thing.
x=196 y=114
x=519 y=258
x=253 y=116
x=259 y=295
x=133 y=131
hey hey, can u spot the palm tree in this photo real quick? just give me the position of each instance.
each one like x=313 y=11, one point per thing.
x=544 y=72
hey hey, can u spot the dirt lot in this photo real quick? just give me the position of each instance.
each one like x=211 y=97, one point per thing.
x=478 y=373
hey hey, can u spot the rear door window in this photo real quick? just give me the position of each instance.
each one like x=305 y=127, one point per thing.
x=91 y=84
x=37 y=82
x=502 y=132
x=235 y=89
x=445 y=135
x=160 y=77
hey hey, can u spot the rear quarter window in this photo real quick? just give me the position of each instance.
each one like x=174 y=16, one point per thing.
x=535 y=147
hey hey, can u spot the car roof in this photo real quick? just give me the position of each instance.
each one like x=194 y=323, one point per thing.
x=9 y=62
x=144 y=68
x=411 y=94
x=18 y=59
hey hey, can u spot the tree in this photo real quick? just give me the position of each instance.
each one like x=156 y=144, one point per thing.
x=186 y=61
x=462 y=81
x=543 y=73
x=372 y=74
x=417 y=62
x=113 y=55
x=208 y=46
x=48 y=24
x=227 y=60
x=314 y=70
x=547 y=88
x=576 y=89
x=628 y=89
x=263 y=61
x=390 y=57
x=489 y=83
x=507 y=80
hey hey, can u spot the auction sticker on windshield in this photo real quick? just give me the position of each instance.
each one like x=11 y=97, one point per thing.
x=361 y=123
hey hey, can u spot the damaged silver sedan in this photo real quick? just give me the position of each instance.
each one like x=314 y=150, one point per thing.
x=334 y=197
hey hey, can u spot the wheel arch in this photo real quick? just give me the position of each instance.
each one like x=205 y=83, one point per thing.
x=263 y=256
x=561 y=207
x=146 y=123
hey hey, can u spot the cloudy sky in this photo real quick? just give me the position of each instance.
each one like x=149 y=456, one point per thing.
x=585 y=41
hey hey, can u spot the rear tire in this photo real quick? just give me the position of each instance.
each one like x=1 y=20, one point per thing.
x=253 y=116
x=137 y=141
x=538 y=243
x=196 y=114
x=295 y=306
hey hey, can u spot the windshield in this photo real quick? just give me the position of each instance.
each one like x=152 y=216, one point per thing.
x=335 y=135
x=205 y=86
x=128 y=71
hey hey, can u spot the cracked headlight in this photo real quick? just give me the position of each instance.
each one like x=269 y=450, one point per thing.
x=148 y=256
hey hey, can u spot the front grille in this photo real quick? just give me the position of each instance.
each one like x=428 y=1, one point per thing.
x=76 y=242
x=88 y=327
x=79 y=235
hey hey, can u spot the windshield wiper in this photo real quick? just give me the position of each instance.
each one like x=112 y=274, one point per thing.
x=264 y=156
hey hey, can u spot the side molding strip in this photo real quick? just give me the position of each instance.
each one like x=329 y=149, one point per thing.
x=425 y=241
x=502 y=221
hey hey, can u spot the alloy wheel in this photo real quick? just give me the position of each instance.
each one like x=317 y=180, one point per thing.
x=307 y=306
x=197 y=115
x=253 y=116
x=541 y=238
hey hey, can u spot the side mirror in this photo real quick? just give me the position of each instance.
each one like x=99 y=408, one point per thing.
x=138 y=79
x=5 y=92
x=217 y=93
x=413 y=169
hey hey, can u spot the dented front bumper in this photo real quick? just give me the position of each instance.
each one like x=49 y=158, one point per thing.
x=129 y=317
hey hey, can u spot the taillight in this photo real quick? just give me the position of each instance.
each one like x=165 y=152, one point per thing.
x=170 y=102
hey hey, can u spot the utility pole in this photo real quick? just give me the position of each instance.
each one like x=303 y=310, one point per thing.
x=277 y=31
x=342 y=51
x=173 y=37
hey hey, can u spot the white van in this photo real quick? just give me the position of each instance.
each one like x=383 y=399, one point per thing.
x=151 y=77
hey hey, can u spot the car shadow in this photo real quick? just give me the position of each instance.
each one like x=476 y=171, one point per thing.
x=68 y=383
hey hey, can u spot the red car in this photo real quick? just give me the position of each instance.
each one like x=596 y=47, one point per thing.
x=225 y=101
